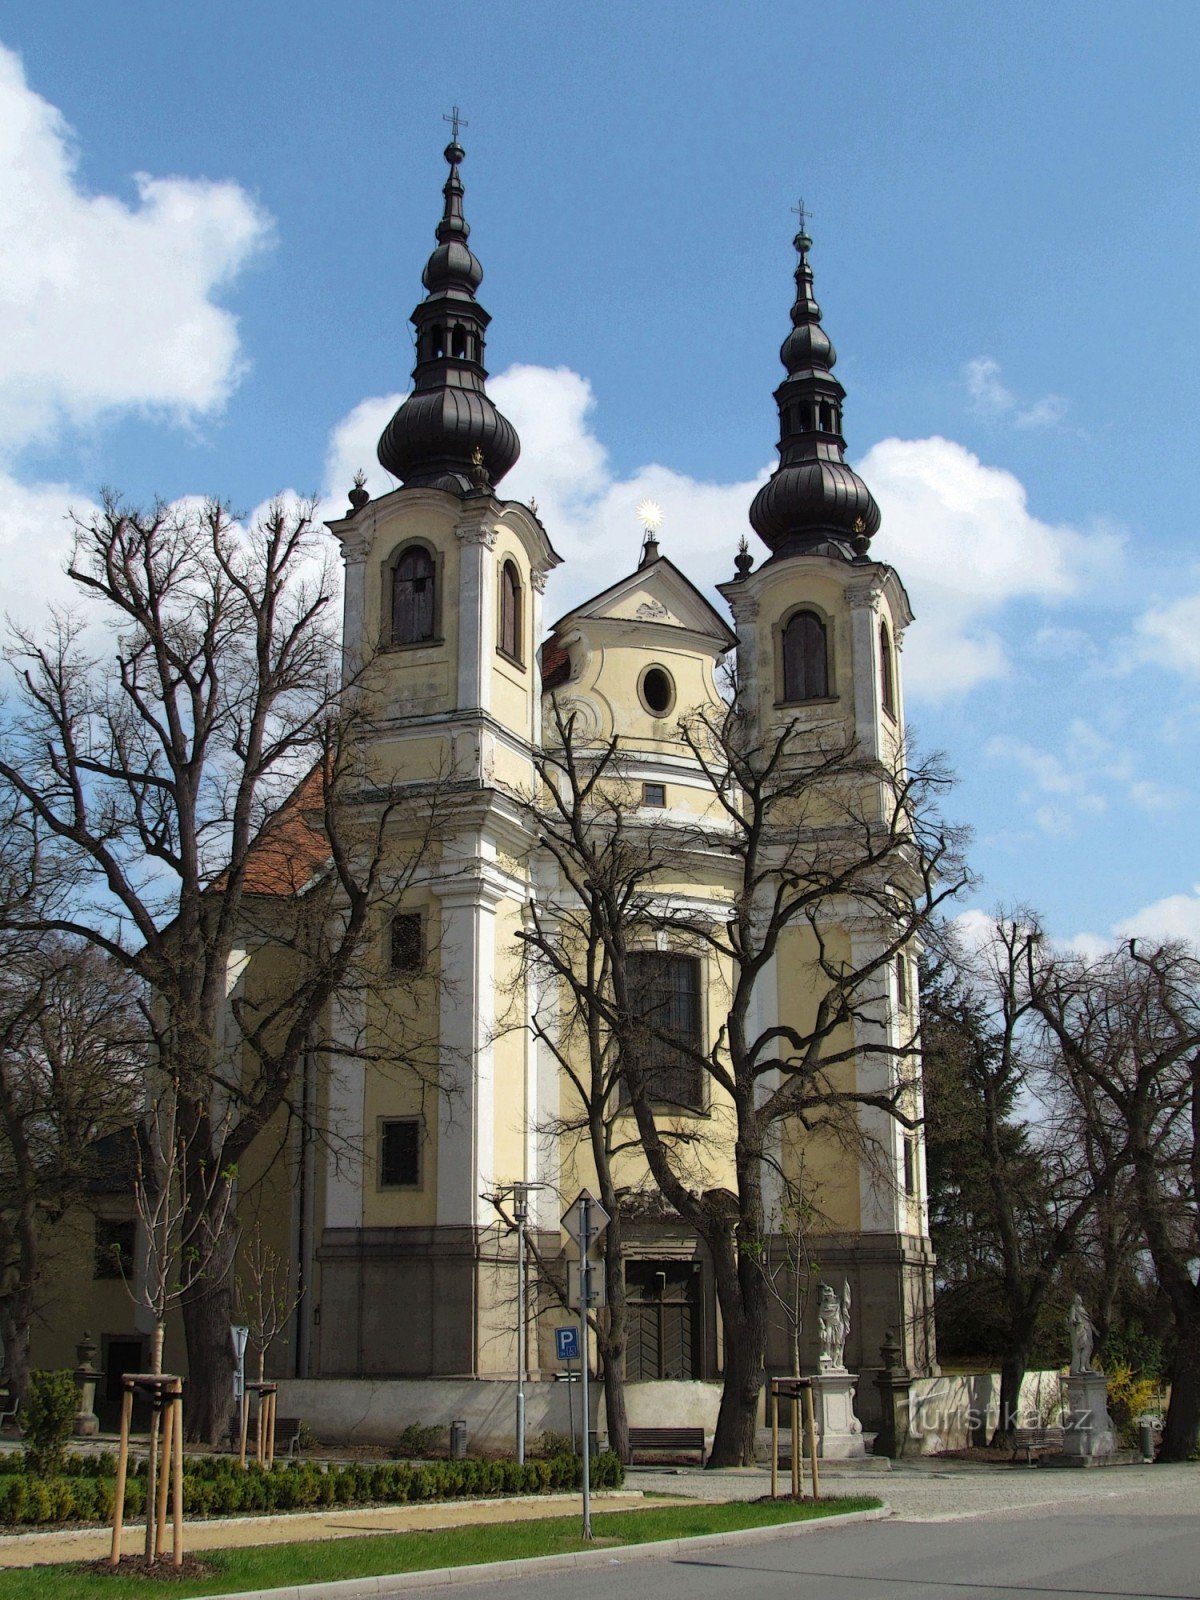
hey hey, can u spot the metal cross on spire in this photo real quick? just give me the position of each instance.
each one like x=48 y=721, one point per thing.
x=802 y=214
x=456 y=121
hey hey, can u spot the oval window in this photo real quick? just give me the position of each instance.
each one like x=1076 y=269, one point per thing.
x=658 y=691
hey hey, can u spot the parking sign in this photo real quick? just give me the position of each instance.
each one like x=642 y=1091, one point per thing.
x=566 y=1343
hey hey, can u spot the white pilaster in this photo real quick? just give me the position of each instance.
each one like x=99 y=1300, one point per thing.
x=476 y=601
x=881 y=1169
x=344 y=1163
x=863 y=599
x=466 y=1105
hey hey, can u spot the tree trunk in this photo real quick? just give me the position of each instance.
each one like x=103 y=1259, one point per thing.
x=1181 y=1431
x=14 y=1329
x=1013 y=1366
x=615 y=1342
x=207 y=1318
x=742 y=1294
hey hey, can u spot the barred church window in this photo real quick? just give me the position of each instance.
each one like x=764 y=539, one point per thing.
x=114 y=1247
x=408 y=942
x=510 y=612
x=805 y=658
x=413 y=585
x=654 y=794
x=665 y=992
x=400 y=1153
x=887 y=681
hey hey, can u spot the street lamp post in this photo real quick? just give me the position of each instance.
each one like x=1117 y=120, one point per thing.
x=520 y=1194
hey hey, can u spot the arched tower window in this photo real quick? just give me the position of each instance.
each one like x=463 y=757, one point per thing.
x=510 y=611
x=437 y=343
x=414 y=587
x=887 y=677
x=459 y=342
x=805 y=658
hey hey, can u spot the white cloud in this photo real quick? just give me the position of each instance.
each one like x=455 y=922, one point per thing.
x=960 y=532
x=106 y=305
x=35 y=541
x=990 y=397
x=964 y=540
x=1079 y=779
x=1170 y=635
x=1176 y=916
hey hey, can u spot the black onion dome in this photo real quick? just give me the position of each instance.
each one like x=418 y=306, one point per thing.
x=448 y=434
x=813 y=496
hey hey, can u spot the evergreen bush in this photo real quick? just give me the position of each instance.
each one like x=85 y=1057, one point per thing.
x=216 y=1486
x=47 y=1418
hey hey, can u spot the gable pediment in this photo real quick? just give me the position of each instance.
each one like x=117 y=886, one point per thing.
x=655 y=596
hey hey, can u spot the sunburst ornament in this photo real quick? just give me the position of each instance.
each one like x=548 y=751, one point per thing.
x=649 y=514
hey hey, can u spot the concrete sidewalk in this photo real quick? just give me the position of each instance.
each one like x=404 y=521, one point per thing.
x=294 y=1527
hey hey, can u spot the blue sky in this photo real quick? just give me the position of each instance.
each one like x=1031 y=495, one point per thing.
x=216 y=218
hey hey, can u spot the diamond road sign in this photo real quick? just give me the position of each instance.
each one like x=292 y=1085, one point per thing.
x=597 y=1219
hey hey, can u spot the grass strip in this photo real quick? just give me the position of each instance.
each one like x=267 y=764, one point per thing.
x=364 y=1556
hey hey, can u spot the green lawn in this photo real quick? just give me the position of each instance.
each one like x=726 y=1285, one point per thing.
x=267 y=1566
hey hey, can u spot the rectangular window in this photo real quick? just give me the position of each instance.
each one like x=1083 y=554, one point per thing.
x=408 y=942
x=114 y=1247
x=654 y=794
x=665 y=991
x=400 y=1153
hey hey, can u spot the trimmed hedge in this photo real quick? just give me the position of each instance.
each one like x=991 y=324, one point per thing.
x=216 y=1486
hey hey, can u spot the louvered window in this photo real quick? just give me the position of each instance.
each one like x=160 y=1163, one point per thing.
x=413 y=589
x=805 y=658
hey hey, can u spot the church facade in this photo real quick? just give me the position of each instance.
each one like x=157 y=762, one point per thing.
x=444 y=590
x=402 y=1268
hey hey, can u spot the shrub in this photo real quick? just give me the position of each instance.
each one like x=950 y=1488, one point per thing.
x=47 y=1417
x=1130 y=1397
x=550 y=1444
x=306 y=1439
x=420 y=1439
x=216 y=1486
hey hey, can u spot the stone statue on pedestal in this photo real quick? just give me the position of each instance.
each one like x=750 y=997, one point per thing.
x=833 y=1321
x=1083 y=1336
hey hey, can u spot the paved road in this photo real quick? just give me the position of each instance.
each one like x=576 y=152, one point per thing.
x=1108 y=1534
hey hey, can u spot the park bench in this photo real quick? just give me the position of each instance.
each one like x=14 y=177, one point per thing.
x=1040 y=1440
x=287 y=1435
x=676 y=1441
x=9 y=1406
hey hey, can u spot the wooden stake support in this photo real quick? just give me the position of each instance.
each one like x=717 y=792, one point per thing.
x=796 y=1390
x=165 y=1393
x=264 y=1432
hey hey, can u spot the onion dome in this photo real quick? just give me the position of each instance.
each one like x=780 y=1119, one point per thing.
x=813 y=496
x=447 y=434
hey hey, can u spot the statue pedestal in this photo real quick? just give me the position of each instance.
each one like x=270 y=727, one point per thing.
x=1088 y=1434
x=839 y=1432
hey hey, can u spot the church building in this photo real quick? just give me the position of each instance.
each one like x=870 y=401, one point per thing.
x=447 y=578
x=403 y=1270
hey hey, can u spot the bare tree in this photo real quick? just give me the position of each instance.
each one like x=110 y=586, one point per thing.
x=153 y=772
x=69 y=1074
x=1127 y=1027
x=267 y=1294
x=1026 y=1180
x=583 y=820
x=805 y=834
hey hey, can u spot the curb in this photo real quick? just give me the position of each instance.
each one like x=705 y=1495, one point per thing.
x=534 y=1566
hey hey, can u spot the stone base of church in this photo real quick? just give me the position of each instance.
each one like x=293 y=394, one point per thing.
x=440 y=1302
